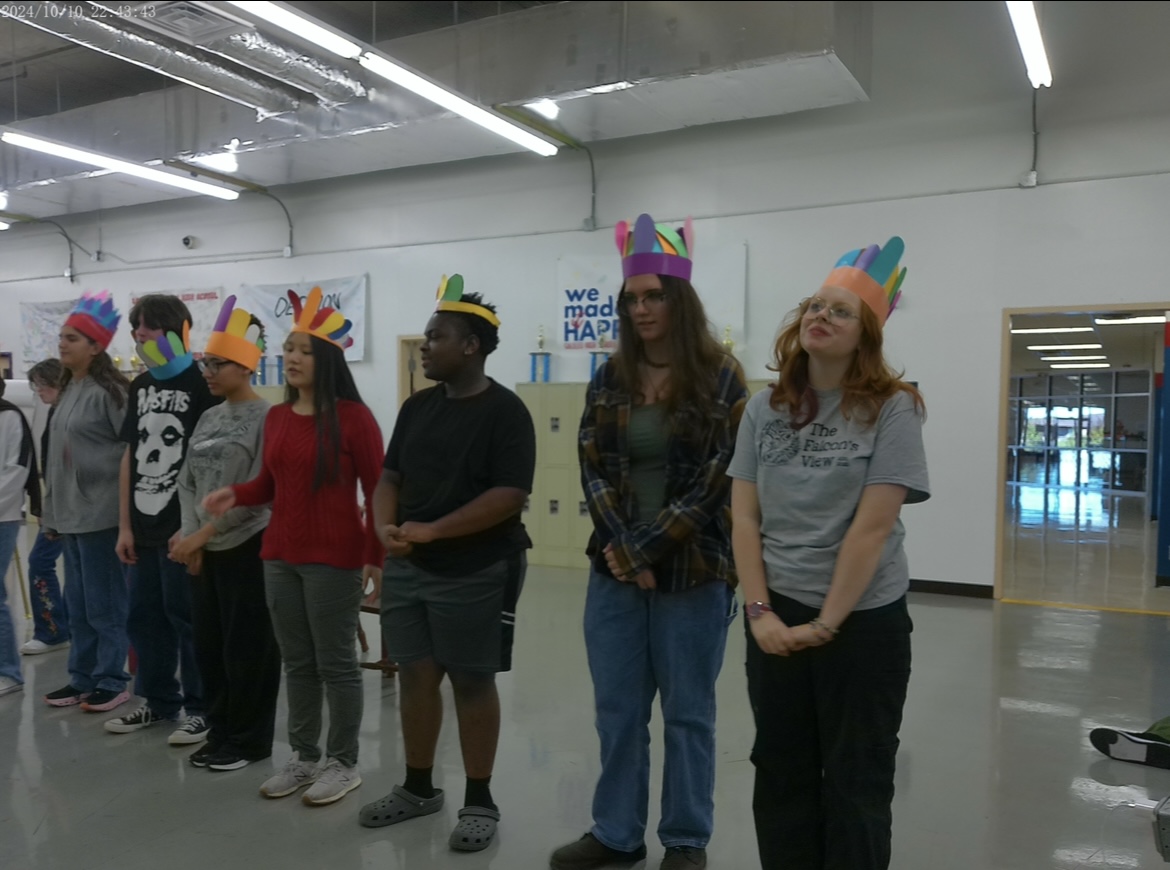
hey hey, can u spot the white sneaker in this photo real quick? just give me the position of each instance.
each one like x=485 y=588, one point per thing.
x=192 y=730
x=295 y=774
x=9 y=685
x=35 y=647
x=333 y=783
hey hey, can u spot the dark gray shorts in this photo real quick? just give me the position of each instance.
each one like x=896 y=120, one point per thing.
x=464 y=622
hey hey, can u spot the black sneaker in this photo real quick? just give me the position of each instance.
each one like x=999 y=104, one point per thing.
x=104 y=700
x=1138 y=747
x=227 y=759
x=589 y=852
x=684 y=858
x=141 y=718
x=202 y=755
x=66 y=697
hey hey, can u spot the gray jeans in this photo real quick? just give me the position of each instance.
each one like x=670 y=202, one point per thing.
x=314 y=612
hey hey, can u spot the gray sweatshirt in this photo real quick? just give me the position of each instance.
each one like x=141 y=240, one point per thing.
x=85 y=456
x=226 y=447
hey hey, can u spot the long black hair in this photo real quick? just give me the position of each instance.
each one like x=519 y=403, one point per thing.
x=332 y=382
x=105 y=374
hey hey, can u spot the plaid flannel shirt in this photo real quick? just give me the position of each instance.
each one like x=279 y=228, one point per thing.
x=689 y=541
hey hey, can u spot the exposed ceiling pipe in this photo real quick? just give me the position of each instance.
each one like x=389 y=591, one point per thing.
x=177 y=61
x=329 y=84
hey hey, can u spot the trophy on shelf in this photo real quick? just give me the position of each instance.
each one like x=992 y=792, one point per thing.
x=540 y=360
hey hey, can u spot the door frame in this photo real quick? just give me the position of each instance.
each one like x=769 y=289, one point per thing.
x=1005 y=374
x=407 y=345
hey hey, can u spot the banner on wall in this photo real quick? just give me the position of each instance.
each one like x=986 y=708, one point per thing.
x=204 y=307
x=271 y=304
x=41 y=323
x=587 y=289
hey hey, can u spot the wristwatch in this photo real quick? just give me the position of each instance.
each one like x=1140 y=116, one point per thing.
x=756 y=609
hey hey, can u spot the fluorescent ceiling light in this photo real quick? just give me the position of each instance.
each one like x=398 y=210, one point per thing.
x=287 y=19
x=1072 y=358
x=1027 y=27
x=222 y=162
x=1052 y=329
x=1064 y=347
x=1118 y=321
x=115 y=165
x=427 y=89
x=3 y=200
x=547 y=108
x=4 y=226
x=1080 y=366
x=609 y=88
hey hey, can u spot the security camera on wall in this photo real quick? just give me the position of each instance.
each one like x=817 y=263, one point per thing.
x=190 y=242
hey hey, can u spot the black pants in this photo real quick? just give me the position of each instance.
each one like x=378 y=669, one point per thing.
x=827 y=723
x=236 y=650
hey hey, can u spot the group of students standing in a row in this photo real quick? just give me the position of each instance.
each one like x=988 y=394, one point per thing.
x=246 y=545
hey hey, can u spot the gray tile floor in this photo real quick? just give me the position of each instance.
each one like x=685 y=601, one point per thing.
x=995 y=771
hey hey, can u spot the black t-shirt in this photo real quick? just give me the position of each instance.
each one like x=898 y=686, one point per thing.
x=160 y=417
x=451 y=451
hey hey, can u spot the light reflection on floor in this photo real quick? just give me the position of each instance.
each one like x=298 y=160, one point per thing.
x=1080 y=547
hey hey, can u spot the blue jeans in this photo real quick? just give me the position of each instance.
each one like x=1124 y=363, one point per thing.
x=95 y=589
x=50 y=615
x=640 y=643
x=9 y=657
x=160 y=629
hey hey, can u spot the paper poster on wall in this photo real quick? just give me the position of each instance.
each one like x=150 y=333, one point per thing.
x=587 y=288
x=271 y=304
x=204 y=307
x=41 y=323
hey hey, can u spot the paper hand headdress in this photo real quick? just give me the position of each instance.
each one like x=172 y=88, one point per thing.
x=450 y=298
x=873 y=276
x=655 y=249
x=327 y=324
x=169 y=355
x=235 y=337
x=95 y=317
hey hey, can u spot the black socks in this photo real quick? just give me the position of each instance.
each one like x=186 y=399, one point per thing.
x=479 y=794
x=418 y=782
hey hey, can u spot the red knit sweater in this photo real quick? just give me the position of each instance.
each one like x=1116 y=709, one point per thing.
x=323 y=527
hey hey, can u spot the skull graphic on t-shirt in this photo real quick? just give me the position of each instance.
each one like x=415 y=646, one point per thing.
x=158 y=455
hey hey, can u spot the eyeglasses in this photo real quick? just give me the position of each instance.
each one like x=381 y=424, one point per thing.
x=840 y=312
x=213 y=366
x=653 y=299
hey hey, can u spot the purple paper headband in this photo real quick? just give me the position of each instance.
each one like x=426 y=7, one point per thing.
x=655 y=249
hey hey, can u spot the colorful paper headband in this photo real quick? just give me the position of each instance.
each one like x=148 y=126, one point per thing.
x=328 y=324
x=873 y=276
x=167 y=356
x=235 y=337
x=95 y=317
x=450 y=298
x=655 y=249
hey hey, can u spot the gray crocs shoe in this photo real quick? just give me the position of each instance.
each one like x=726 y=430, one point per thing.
x=476 y=829
x=399 y=806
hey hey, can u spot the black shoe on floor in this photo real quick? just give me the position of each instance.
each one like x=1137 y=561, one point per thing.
x=589 y=852
x=1140 y=748
x=228 y=759
x=202 y=755
x=684 y=858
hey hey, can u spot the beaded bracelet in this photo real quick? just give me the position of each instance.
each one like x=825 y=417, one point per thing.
x=816 y=623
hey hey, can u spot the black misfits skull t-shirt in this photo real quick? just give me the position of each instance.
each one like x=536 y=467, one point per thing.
x=160 y=417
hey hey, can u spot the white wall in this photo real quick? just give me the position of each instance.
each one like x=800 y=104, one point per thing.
x=935 y=157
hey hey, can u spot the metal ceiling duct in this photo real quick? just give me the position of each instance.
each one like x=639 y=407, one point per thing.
x=679 y=65
x=207 y=28
x=177 y=61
